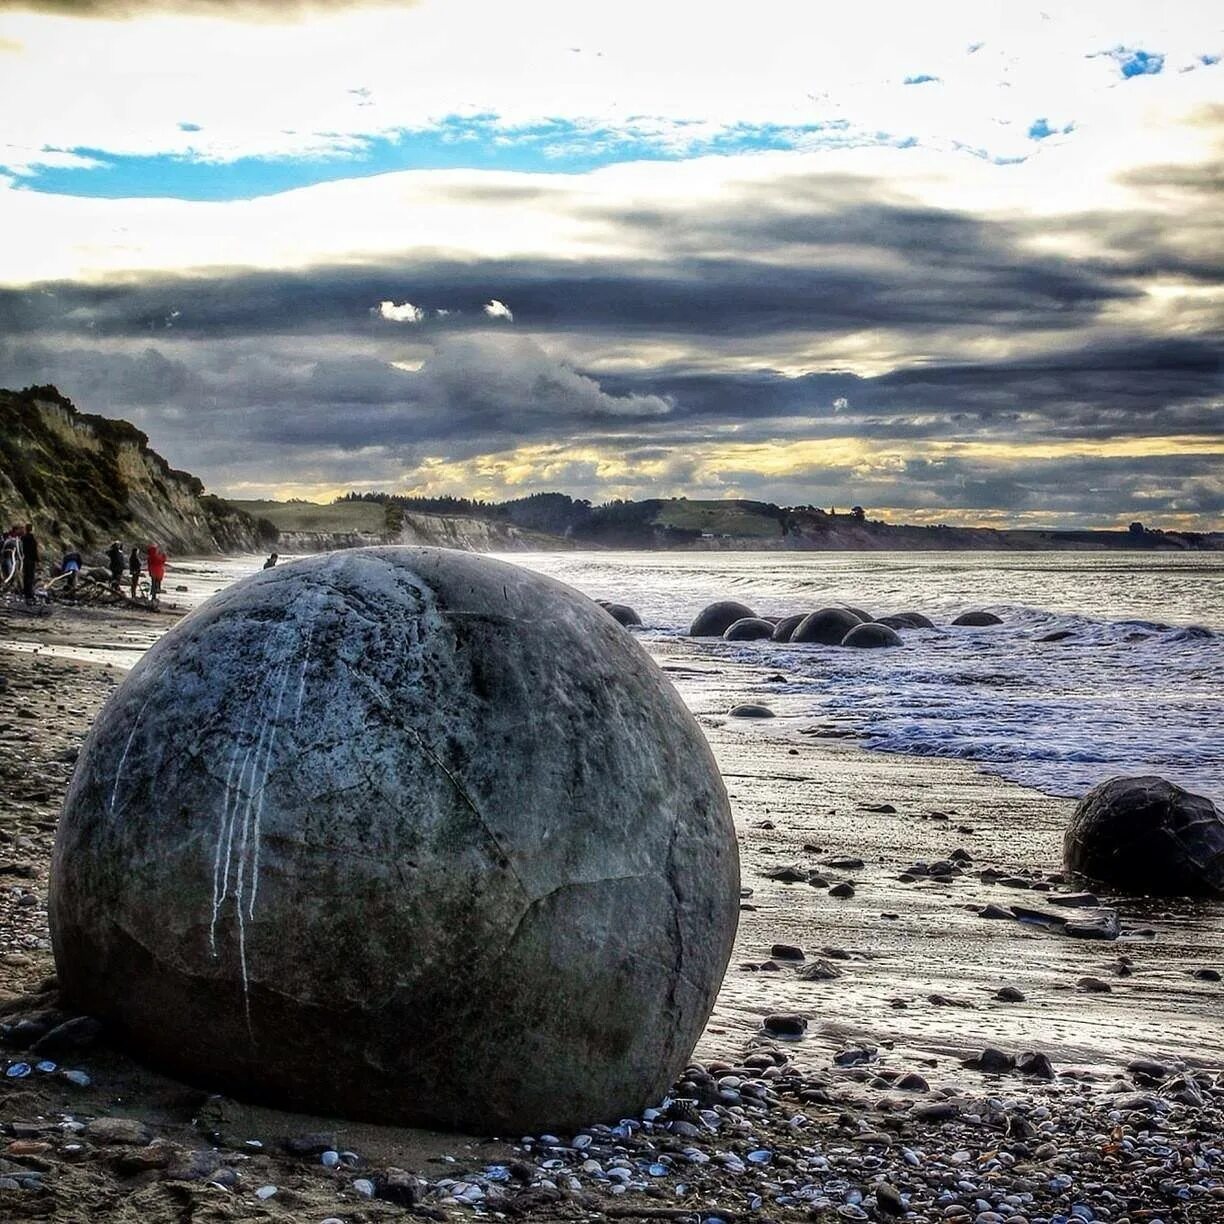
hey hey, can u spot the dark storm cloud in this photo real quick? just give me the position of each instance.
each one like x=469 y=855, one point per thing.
x=822 y=255
x=1145 y=385
x=714 y=298
x=486 y=387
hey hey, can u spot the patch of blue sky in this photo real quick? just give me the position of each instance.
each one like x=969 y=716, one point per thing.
x=1133 y=62
x=467 y=143
x=1039 y=129
x=921 y=78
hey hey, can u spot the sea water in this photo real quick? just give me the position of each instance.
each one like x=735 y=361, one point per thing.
x=1137 y=687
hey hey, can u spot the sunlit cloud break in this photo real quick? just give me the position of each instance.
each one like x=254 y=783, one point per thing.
x=405 y=312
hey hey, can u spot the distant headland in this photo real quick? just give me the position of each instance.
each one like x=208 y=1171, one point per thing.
x=84 y=480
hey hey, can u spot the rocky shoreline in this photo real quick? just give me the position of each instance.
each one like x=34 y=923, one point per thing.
x=833 y=1086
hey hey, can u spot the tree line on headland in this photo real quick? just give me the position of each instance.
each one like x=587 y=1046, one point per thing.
x=726 y=523
x=83 y=480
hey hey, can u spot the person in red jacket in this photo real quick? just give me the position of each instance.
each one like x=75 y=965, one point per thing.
x=155 y=559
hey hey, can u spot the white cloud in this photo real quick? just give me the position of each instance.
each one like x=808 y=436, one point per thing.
x=204 y=87
x=499 y=310
x=405 y=312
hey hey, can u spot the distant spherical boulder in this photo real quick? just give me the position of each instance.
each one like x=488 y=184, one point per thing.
x=786 y=626
x=349 y=840
x=1146 y=835
x=749 y=629
x=716 y=618
x=750 y=709
x=827 y=626
x=906 y=620
x=863 y=616
x=977 y=619
x=872 y=635
x=622 y=613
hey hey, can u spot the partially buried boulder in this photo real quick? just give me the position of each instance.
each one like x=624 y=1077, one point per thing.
x=978 y=619
x=786 y=626
x=622 y=613
x=827 y=627
x=872 y=635
x=1146 y=835
x=906 y=620
x=348 y=840
x=716 y=618
x=749 y=629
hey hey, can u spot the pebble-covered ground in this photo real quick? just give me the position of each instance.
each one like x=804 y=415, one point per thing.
x=831 y=1083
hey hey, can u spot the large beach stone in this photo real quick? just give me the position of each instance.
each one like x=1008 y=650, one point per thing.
x=749 y=629
x=978 y=619
x=828 y=626
x=872 y=636
x=715 y=619
x=1146 y=835
x=401 y=834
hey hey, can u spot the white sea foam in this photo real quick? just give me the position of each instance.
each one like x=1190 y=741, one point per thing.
x=1131 y=690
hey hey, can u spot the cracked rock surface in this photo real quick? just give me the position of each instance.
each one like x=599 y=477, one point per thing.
x=386 y=832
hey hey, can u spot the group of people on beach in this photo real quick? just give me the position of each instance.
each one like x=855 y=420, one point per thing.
x=20 y=552
x=154 y=560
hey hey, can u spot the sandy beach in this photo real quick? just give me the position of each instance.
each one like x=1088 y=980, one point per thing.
x=895 y=984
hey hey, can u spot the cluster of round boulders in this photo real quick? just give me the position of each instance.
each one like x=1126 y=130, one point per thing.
x=978 y=619
x=348 y=840
x=1146 y=835
x=749 y=629
x=715 y=619
x=836 y=625
x=872 y=635
x=827 y=626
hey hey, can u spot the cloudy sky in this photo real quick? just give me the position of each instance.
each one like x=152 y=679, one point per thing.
x=956 y=261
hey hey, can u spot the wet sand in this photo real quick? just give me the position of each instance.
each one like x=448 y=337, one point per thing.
x=918 y=967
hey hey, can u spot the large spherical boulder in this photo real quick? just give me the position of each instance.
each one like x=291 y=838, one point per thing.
x=978 y=619
x=400 y=834
x=872 y=636
x=715 y=619
x=786 y=626
x=1146 y=835
x=828 y=626
x=749 y=629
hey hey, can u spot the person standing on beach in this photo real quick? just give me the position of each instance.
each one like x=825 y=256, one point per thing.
x=156 y=561
x=134 y=568
x=29 y=562
x=71 y=565
x=10 y=554
x=114 y=557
